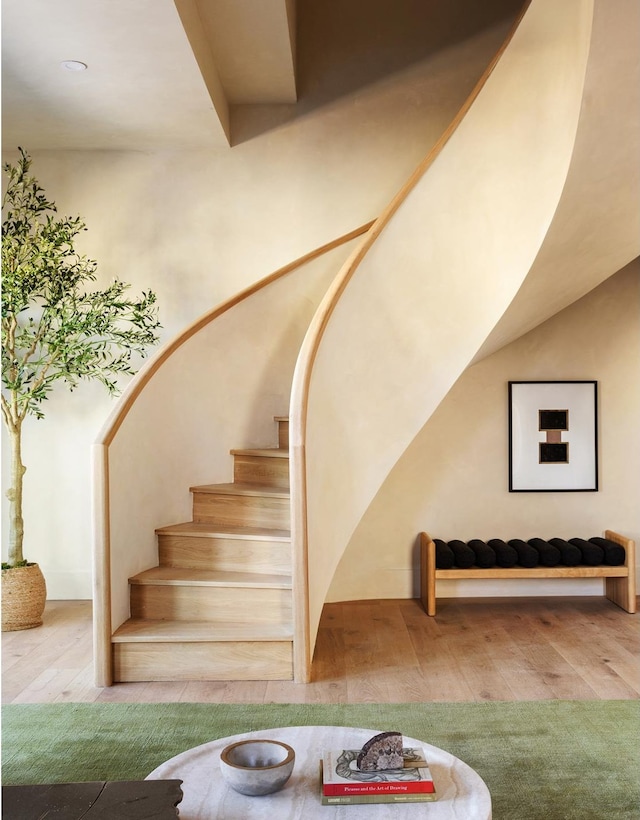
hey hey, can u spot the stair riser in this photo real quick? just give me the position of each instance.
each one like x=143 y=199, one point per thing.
x=219 y=604
x=250 y=660
x=225 y=554
x=272 y=471
x=241 y=510
x=283 y=434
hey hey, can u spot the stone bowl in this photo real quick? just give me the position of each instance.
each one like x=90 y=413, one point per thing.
x=257 y=767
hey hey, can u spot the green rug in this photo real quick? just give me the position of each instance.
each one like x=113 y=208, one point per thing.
x=546 y=760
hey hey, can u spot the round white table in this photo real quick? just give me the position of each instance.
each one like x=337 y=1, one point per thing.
x=462 y=794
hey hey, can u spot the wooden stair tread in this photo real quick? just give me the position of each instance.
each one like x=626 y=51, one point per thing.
x=265 y=452
x=197 y=529
x=178 y=576
x=238 y=488
x=140 y=630
x=207 y=618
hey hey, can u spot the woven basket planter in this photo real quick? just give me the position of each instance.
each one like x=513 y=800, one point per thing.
x=24 y=593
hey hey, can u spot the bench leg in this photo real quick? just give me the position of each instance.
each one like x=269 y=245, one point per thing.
x=427 y=574
x=622 y=591
x=618 y=591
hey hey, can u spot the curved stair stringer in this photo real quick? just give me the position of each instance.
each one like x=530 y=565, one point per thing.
x=595 y=229
x=415 y=302
x=174 y=425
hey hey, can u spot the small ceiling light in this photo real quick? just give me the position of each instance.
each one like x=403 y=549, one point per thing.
x=74 y=65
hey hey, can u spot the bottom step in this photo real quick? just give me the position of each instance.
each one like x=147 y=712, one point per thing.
x=202 y=661
x=147 y=651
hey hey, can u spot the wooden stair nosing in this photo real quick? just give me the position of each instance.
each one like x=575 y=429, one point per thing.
x=262 y=452
x=177 y=576
x=142 y=630
x=199 y=529
x=242 y=489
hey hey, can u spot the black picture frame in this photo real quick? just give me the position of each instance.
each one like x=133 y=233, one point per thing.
x=553 y=436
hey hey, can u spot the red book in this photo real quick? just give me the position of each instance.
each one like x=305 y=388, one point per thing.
x=341 y=776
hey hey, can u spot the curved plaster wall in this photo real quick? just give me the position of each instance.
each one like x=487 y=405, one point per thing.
x=596 y=229
x=423 y=299
x=219 y=390
x=452 y=481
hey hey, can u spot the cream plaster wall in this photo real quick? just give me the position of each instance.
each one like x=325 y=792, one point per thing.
x=586 y=244
x=441 y=273
x=198 y=227
x=453 y=481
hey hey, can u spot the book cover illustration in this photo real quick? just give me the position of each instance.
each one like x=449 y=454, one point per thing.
x=341 y=777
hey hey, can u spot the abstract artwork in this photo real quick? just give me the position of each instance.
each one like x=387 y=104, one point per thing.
x=553 y=436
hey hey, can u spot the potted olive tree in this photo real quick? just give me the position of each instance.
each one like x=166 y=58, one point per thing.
x=54 y=329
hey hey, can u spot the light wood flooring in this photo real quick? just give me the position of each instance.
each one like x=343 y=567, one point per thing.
x=375 y=651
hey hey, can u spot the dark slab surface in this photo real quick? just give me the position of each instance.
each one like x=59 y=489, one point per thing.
x=97 y=800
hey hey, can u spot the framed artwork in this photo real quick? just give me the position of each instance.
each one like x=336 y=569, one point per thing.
x=553 y=436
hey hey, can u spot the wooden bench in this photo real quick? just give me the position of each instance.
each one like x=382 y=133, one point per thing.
x=619 y=582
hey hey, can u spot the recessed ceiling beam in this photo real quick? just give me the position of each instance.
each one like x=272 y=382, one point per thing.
x=252 y=43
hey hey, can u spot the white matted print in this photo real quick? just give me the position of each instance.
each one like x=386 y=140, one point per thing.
x=553 y=436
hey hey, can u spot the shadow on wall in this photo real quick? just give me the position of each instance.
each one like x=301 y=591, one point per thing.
x=452 y=481
x=346 y=45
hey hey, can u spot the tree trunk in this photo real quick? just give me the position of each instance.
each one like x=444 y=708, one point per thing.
x=14 y=494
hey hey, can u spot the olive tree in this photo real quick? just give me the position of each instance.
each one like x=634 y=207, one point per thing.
x=54 y=328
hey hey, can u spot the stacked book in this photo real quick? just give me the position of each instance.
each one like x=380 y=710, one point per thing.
x=342 y=783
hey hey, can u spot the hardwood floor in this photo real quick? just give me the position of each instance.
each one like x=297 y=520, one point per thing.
x=375 y=651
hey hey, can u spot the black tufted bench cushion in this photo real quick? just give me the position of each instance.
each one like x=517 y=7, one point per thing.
x=536 y=551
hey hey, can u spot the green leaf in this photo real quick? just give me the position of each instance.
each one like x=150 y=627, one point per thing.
x=53 y=327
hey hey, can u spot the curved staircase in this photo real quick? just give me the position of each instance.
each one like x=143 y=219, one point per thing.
x=376 y=348
x=238 y=544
